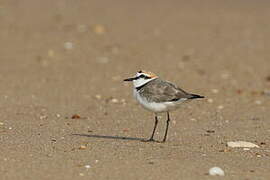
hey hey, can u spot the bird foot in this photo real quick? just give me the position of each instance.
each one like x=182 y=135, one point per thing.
x=149 y=140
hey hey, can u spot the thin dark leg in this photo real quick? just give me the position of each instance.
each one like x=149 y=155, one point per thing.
x=153 y=133
x=167 y=127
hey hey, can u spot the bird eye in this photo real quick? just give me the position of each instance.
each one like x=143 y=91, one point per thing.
x=140 y=71
x=142 y=76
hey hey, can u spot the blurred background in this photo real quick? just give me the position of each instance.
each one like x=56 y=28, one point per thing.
x=64 y=58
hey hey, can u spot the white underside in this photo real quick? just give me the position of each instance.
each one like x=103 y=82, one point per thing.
x=158 y=107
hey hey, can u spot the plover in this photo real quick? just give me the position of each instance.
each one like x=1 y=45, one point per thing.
x=158 y=96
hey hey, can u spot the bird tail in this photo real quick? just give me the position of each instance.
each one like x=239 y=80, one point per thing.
x=195 y=96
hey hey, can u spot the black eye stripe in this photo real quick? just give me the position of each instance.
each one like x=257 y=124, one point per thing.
x=144 y=76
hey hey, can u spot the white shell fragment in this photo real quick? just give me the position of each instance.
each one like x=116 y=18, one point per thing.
x=216 y=171
x=68 y=45
x=242 y=144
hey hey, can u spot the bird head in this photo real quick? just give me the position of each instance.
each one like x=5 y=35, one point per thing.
x=141 y=78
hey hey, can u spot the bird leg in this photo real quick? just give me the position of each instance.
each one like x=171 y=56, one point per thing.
x=153 y=133
x=167 y=127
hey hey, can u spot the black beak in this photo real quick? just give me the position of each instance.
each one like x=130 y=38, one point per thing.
x=130 y=79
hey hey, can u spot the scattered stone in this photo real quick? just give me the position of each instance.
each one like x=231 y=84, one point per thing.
x=68 y=45
x=258 y=102
x=98 y=96
x=81 y=174
x=246 y=149
x=210 y=100
x=99 y=29
x=216 y=171
x=210 y=131
x=114 y=100
x=262 y=143
x=82 y=147
x=220 y=107
x=225 y=150
x=58 y=115
x=123 y=101
x=87 y=166
x=75 y=116
x=215 y=91
x=258 y=155
x=242 y=144
x=1 y=123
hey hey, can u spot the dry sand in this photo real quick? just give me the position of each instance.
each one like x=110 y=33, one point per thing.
x=61 y=58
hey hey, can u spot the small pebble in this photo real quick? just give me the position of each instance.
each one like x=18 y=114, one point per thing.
x=99 y=29
x=87 y=166
x=1 y=123
x=258 y=102
x=81 y=174
x=98 y=96
x=210 y=100
x=75 y=116
x=114 y=100
x=215 y=91
x=216 y=171
x=220 y=107
x=82 y=147
x=58 y=115
x=68 y=45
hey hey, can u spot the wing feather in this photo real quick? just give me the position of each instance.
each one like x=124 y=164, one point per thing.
x=162 y=91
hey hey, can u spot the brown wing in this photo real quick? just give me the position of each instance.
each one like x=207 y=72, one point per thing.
x=162 y=91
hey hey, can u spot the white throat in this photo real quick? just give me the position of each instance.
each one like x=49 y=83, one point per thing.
x=141 y=81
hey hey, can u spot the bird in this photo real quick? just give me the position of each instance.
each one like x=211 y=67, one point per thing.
x=158 y=96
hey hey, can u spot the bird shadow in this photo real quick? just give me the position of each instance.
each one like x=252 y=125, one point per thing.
x=110 y=137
